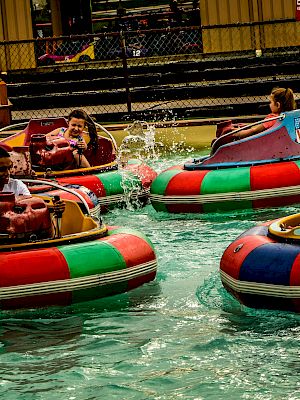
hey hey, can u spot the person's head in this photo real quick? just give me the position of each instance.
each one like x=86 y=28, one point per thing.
x=5 y=165
x=281 y=100
x=77 y=117
x=77 y=120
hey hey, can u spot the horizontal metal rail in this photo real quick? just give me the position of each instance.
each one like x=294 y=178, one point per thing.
x=6 y=128
x=57 y=186
x=279 y=117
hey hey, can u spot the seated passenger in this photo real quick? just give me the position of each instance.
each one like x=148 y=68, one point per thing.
x=281 y=100
x=77 y=120
x=16 y=186
x=8 y=184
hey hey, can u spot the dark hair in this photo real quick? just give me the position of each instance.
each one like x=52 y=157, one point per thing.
x=3 y=152
x=81 y=114
x=285 y=97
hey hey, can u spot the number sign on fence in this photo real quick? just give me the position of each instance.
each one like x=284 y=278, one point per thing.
x=297 y=10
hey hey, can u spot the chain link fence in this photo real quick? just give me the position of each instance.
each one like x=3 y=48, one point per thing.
x=155 y=73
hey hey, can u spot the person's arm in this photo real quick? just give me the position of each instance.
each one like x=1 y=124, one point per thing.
x=53 y=133
x=21 y=188
x=58 y=206
x=249 y=132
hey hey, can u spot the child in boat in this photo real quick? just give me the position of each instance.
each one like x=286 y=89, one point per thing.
x=77 y=120
x=281 y=100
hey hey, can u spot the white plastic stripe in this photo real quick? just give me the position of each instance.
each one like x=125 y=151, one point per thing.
x=86 y=282
x=116 y=198
x=95 y=212
x=230 y=196
x=260 y=289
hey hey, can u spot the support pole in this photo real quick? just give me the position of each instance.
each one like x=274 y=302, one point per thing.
x=125 y=69
x=5 y=105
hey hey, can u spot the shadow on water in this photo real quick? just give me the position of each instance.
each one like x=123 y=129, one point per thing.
x=28 y=330
x=23 y=335
x=137 y=298
x=237 y=318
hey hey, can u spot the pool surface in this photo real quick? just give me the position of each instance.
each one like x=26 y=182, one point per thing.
x=172 y=136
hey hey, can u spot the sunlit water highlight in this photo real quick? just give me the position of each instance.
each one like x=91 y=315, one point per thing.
x=180 y=337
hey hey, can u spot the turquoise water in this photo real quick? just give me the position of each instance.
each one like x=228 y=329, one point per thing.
x=180 y=337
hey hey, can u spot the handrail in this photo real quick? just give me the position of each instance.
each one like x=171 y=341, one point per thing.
x=56 y=185
x=108 y=133
x=279 y=117
x=5 y=128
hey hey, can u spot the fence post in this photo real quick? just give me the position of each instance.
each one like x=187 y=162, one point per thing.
x=256 y=14
x=5 y=105
x=125 y=69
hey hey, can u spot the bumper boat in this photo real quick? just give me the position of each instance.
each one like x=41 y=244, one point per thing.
x=255 y=172
x=261 y=268
x=48 y=259
x=53 y=160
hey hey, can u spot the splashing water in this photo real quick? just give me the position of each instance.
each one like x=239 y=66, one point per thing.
x=133 y=191
x=140 y=146
x=139 y=143
x=137 y=147
x=175 y=140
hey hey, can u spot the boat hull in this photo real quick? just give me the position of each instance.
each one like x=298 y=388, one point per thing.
x=269 y=185
x=71 y=273
x=262 y=272
x=107 y=189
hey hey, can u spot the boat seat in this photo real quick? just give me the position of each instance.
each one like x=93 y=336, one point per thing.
x=105 y=153
x=73 y=220
x=43 y=126
x=21 y=162
x=222 y=133
x=280 y=141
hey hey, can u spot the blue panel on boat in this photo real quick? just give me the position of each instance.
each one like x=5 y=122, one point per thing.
x=270 y=263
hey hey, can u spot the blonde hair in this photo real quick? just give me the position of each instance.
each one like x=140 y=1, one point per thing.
x=285 y=97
